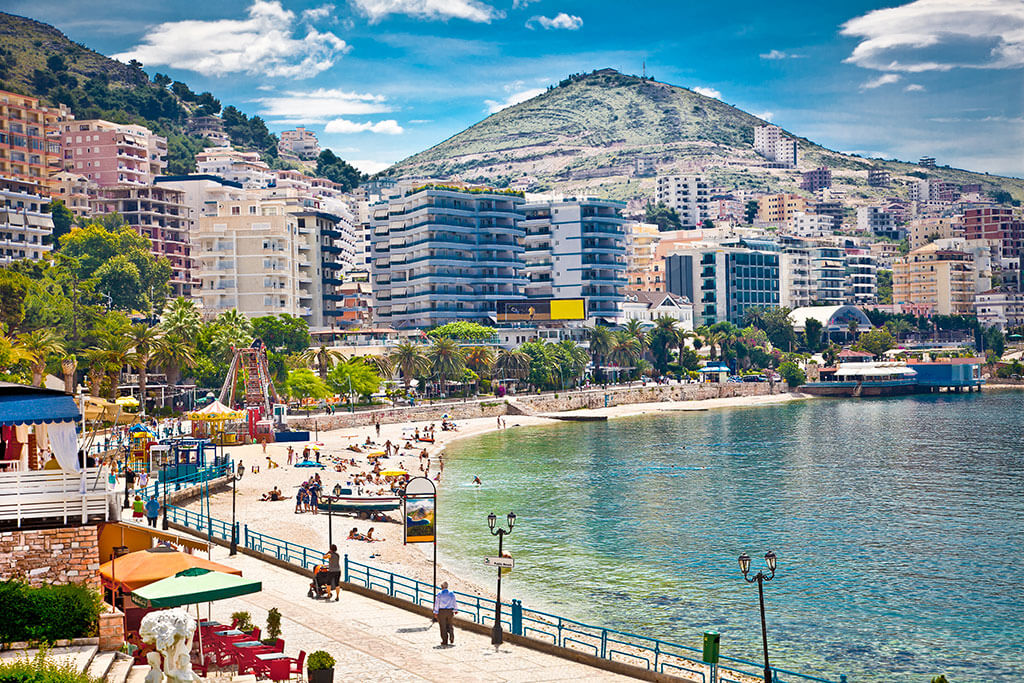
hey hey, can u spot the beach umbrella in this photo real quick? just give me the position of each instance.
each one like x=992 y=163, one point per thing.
x=193 y=586
x=393 y=473
x=141 y=568
x=127 y=402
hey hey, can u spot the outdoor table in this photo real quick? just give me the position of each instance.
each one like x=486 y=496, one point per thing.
x=272 y=655
x=249 y=643
x=230 y=632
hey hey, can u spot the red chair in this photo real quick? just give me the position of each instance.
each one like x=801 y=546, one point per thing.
x=278 y=645
x=279 y=669
x=296 y=664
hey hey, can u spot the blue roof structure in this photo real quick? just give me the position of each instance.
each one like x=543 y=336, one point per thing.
x=21 y=405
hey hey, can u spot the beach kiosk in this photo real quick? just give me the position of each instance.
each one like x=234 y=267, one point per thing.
x=140 y=440
x=220 y=424
x=714 y=373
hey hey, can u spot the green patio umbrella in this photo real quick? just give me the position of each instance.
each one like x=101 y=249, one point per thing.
x=193 y=586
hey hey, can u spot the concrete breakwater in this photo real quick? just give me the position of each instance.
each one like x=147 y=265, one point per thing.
x=532 y=404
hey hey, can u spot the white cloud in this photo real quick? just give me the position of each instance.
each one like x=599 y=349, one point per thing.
x=569 y=22
x=766 y=115
x=494 y=106
x=263 y=44
x=913 y=87
x=779 y=54
x=344 y=126
x=938 y=35
x=318 y=106
x=884 y=79
x=522 y=4
x=317 y=13
x=369 y=165
x=707 y=92
x=470 y=10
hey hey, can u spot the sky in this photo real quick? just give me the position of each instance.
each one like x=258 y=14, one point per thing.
x=379 y=80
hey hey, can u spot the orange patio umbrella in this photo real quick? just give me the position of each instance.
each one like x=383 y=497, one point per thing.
x=143 y=567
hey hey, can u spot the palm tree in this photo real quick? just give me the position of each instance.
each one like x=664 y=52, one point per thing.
x=37 y=348
x=512 y=364
x=96 y=361
x=12 y=352
x=634 y=328
x=625 y=350
x=323 y=357
x=410 y=361
x=600 y=344
x=577 y=356
x=117 y=352
x=381 y=364
x=447 y=360
x=480 y=359
x=181 y=318
x=173 y=353
x=144 y=340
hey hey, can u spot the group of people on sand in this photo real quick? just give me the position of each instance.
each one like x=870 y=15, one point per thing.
x=308 y=495
x=354 y=535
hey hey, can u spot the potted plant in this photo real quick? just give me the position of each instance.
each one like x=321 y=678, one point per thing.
x=273 y=626
x=243 y=621
x=320 y=667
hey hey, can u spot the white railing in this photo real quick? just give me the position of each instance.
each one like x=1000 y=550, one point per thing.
x=54 y=494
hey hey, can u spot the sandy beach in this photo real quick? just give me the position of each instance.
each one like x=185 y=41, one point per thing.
x=279 y=518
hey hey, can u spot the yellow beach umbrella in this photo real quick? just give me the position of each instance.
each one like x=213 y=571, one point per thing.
x=393 y=473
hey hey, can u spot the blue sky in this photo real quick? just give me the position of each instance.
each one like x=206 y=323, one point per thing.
x=379 y=80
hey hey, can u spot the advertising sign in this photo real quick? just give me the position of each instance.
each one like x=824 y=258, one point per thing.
x=540 y=310
x=419 y=519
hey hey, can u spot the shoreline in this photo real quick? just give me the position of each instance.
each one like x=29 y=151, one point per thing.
x=278 y=518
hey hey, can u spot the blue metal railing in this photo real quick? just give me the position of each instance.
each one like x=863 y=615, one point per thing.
x=200 y=476
x=652 y=654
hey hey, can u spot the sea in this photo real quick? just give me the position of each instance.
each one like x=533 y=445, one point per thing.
x=898 y=524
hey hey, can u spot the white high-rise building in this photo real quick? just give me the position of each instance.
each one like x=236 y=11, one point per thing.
x=770 y=143
x=689 y=196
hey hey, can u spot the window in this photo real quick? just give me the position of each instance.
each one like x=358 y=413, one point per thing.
x=252 y=210
x=236 y=211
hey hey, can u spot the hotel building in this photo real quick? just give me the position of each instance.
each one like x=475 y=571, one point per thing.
x=938 y=280
x=113 y=153
x=30 y=148
x=688 y=196
x=25 y=229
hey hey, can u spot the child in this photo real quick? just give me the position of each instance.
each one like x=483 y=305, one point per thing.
x=138 y=508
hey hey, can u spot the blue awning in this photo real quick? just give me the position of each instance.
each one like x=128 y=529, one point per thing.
x=715 y=368
x=37 y=408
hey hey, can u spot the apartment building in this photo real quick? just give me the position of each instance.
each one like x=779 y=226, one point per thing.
x=199 y=192
x=998 y=308
x=240 y=167
x=159 y=214
x=645 y=271
x=861 y=277
x=779 y=209
x=878 y=177
x=828 y=275
x=442 y=253
x=75 y=190
x=935 y=279
x=1000 y=223
x=113 y=153
x=209 y=127
x=921 y=231
x=806 y=224
x=795 y=284
x=818 y=179
x=576 y=248
x=30 y=147
x=25 y=229
x=885 y=253
x=688 y=196
x=253 y=256
x=723 y=281
x=299 y=142
x=932 y=190
x=773 y=145
x=879 y=222
x=649 y=307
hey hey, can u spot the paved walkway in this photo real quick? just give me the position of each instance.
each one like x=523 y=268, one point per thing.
x=373 y=641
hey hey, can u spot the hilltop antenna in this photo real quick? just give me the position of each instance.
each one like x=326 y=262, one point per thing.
x=644 y=69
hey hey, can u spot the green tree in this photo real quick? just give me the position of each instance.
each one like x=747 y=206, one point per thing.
x=353 y=376
x=181 y=318
x=447 y=360
x=511 y=364
x=410 y=361
x=63 y=219
x=303 y=383
x=776 y=324
x=792 y=373
x=14 y=287
x=323 y=357
x=663 y=338
x=665 y=218
x=282 y=333
x=600 y=338
x=330 y=166
x=480 y=359
x=884 y=281
x=144 y=340
x=464 y=331
x=876 y=342
x=624 y=351
x=750 y=211
x=39 y=347
x=173 y=354
x=812 y=334
x=574 y=357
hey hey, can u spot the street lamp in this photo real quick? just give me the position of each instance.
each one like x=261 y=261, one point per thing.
x=127 y=468
x=163 y=469
x=496 y=635
x=760 y=578
x=236 y=474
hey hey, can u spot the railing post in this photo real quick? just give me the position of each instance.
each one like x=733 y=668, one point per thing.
x=303 y=557
x=657 y=652
x=604 y=643
x=245 y=542
x=391 y=584
x=517 y=617
x=842 y=678
x=346 y=567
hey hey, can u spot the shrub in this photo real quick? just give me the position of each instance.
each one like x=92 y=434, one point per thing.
x=319 y=661
x=41 y=669
x=47 y=613
x=244 y=620
x=273 y=624
x=792 y=373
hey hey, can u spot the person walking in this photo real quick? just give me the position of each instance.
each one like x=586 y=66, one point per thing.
x=376 y=424
x=334 y=571
x=152 y=510
x=445 y=608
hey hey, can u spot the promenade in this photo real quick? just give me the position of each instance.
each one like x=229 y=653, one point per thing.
x=373 y=641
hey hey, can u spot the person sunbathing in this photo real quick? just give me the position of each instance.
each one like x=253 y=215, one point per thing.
x=354 y=535
x=369 y=536
x=273 y=494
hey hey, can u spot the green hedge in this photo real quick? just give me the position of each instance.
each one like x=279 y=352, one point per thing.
x=41 y=669
x=47 y=613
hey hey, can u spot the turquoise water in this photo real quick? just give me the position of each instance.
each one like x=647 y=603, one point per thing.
x=898 y=525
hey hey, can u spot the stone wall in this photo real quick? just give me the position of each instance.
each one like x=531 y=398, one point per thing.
x=41 y=556
x=111 y=630
x=539 y=404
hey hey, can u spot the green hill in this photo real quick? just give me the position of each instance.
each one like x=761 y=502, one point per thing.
x=586 y=134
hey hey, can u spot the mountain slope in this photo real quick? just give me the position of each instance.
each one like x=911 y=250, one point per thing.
x=589 y=131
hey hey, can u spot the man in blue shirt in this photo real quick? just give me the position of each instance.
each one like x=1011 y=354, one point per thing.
x=152 y=510
x=445 y=609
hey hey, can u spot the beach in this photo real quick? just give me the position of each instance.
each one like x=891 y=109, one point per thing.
x=279 y=519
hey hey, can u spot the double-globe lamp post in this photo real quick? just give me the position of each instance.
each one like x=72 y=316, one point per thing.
x=760 y=578
x=492 y=519
x=236 y=474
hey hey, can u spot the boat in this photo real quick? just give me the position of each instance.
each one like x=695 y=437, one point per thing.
x=346 y=500
x=864 y=379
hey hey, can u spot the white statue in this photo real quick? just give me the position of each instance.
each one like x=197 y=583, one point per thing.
x=170 y=632
x=156 y=674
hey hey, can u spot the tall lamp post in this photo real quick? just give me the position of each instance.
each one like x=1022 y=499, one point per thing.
x=163 y=469
x=760 y=578
x=496 y=635
x=236 y=474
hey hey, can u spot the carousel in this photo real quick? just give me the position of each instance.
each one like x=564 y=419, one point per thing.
x=220 y=424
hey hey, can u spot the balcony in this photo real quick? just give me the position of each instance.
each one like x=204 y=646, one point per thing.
x=55 y=495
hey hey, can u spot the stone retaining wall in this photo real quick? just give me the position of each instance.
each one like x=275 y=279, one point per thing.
x=42 y=556
x=111 y=629
x=537 y=404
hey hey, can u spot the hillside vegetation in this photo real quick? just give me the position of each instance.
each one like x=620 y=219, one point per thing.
x=586 y=133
